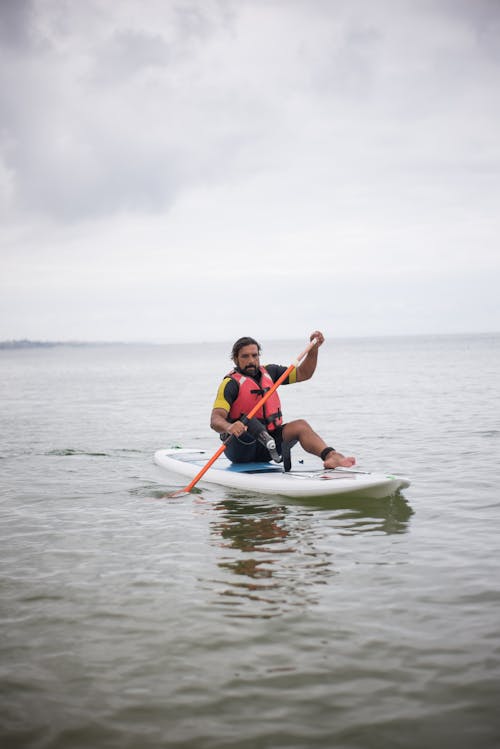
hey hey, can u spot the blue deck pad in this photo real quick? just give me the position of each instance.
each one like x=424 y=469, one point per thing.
x=254 y=468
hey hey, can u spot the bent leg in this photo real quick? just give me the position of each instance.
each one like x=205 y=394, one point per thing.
x=312 y=443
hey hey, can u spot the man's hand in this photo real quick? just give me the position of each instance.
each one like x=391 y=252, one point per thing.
x=320 y=338
x=236 y=429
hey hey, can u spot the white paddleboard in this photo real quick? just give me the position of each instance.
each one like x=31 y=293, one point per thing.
x=269 y=478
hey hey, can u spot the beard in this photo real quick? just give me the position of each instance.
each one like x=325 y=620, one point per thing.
x=251 y=370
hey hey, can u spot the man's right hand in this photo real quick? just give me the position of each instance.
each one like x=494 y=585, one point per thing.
x=236 y=429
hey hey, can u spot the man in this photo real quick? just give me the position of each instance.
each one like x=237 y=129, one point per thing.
x=266 y=437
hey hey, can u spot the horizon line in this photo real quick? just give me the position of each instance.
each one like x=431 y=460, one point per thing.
x=33 y=342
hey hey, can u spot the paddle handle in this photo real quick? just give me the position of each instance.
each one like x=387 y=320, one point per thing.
x=251 y=413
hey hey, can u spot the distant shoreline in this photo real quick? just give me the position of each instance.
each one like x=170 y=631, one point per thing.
x=26 y=343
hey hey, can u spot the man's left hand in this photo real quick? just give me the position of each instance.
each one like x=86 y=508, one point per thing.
x=320 y=338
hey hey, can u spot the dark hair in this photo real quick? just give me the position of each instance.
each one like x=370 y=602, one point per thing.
x=245 y=341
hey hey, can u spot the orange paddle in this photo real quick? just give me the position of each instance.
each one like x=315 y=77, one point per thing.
x=254 y=410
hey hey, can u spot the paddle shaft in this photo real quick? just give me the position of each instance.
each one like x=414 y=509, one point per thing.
x=251 y=413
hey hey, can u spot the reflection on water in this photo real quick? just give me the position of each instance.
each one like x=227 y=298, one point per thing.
x=267 y=555
x=279 y=555
x=352 y=516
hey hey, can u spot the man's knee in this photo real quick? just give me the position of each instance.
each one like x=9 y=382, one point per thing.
x=296 y=429
x=302 y=425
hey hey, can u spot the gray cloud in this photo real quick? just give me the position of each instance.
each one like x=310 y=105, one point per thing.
x=347 y=150
x=15 y=22
x=92 y=120
x=128 y=53
x=111 y=108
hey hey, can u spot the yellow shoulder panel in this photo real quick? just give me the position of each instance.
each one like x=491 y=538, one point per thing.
x=220 y=400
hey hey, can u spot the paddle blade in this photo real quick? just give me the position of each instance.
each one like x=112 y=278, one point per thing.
x=176 y=495
x=186 y=491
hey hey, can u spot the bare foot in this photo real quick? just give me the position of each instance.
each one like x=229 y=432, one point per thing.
x=334 y=460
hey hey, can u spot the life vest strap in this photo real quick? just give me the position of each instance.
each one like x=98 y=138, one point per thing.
x=259 y=391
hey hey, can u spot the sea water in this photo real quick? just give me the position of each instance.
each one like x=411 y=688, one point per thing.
x=224 y=619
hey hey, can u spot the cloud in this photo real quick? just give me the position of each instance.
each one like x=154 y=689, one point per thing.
x=125 y=109
x=101 y=125
x=15 y=17
x=189 y=143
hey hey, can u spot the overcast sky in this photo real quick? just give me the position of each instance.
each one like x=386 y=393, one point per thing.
x=204 y=169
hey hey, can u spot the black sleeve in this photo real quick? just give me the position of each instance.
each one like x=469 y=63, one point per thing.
x=275 y=372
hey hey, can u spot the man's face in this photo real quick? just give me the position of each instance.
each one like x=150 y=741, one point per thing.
x=247 y=360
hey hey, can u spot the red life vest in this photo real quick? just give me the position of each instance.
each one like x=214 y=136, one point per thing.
x=249 y=393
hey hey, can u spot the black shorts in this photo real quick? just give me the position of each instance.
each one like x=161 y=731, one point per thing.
x=246 y=449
